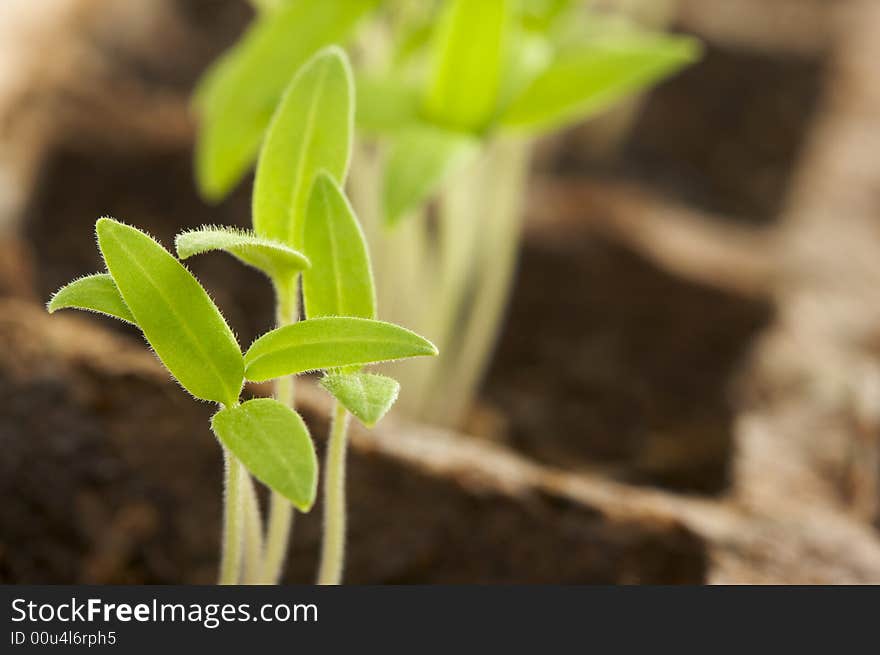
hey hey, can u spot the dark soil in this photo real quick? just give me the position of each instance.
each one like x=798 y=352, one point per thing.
x=608 y=363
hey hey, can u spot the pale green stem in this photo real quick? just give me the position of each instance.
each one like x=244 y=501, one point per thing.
x=280 y=521
x=457 y=297
x=333 y=544
x=253 y=532
x=459 y=374
x=233 y=523
x=463 y=208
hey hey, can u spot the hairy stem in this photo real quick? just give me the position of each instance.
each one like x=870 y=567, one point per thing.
x=333 y=545
x=253 y=532
x=233 y=524
x=280 y=521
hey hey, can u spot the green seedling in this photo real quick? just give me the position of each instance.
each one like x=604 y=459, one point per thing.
x=452 y=96
x=305 y=231
x=147 y=287
x=480 y=68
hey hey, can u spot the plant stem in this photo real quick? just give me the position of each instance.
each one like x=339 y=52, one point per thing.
x=253 y=532
x=333 y=545
x=233 y=524
x=280 y=522
x=458 y=375
x=278 y=531
x=280 y=519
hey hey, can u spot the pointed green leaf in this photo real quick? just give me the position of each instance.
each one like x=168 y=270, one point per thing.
x=311 y=131
x=365 y=395
x=278 y=261
x=468 y=59
x=273 y=443
x=94 y=293
x=237 y=95
x=330 y=342
x=421 y=159
x=179 y=320
x=590 y=78
x=385 y=105
x=340 y=282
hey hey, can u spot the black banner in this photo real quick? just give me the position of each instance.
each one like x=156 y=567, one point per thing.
x=413 y=619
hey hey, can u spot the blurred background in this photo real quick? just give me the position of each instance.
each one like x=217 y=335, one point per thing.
x=685 y=388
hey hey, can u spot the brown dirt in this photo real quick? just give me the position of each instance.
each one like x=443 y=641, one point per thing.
x=608 y=363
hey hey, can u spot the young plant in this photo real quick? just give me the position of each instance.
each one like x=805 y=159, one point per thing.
x=147 y=287
x=299 y=207
x=452 y=97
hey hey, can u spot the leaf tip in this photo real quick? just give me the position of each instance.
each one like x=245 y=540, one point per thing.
x=430 y=349
x=104 y=222
x=107 y=224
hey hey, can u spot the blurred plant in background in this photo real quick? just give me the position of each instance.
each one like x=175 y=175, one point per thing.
x=452 y=97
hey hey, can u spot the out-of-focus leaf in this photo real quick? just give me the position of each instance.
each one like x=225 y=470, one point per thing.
x=419 y=161
x=310 y=132
x=330 y=342
x=273 y=443
x=540 y=15
x=278 y=261
x=237 y=95
x=467 y=67
x=385 y=105
x=94 y=293
x=365 y=395
x=340 y=282
x=590 y=78
x=529 y=55
x=410 y=47
x=179 y=320
x=412 y=25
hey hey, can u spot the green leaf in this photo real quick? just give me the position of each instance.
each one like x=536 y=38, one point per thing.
x=179 y=320
x=588 y=79
x=468 y=60
x=420 y=160
x=273 y=443
x=94 y=293
x=330 y=342
x=340 y=282
x=238 y=94
x=540 y=15
x=312 y=131
x=278 y=261
x=365 y=395
x=529 y=55
x=385 y=105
